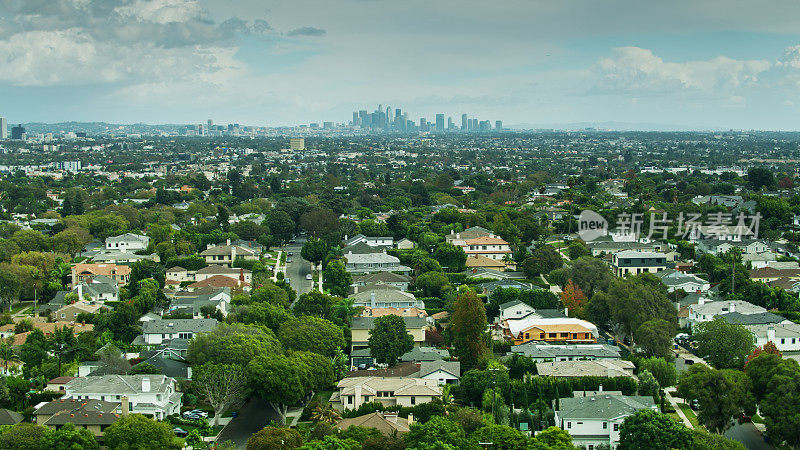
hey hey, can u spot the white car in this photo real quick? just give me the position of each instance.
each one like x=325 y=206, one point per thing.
x=309 y=277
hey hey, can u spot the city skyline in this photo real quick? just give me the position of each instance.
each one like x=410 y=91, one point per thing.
x=700 y=65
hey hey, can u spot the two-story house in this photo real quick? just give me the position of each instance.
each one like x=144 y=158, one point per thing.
x=387 y=278
x=491 y=247
x=707 y=310
x=553 y=352
x=177 y=275
x=225 y=255
x=155 y=332
x=675 y=280
x=244 y=276
x=353 y=392
x=567 y=330
x=361 y=326
x=193 y=302
x=92 y=415
x=372 y=241
x=383 y=296
x=99 y=289
x=633 y=262
x=147 y=394
x=595 y=420
x=85 y=272
x=373 y=262
x=127 y=242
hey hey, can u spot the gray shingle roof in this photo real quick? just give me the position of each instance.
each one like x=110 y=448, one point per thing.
x=603 y=406
x=367 y=323
x=116 y=384
x=162 y=326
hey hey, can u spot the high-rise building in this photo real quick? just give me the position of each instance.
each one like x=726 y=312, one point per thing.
x=210 y=124
x=327 y=125
x=440 y=122
x=423 y=124
x=356 y=122
x=18 y=133
x=3 y=128
x=498 y=125
x=200 y=130
x=464 y=125
x=450 y=124
x=297 y=144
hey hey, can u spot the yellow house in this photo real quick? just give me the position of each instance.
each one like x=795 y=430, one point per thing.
x=361 y=326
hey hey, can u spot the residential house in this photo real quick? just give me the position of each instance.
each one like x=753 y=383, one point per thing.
x=219 y=282
x=127 y=242
x=69 y=313
x=373 y=262
x=147 y=394
x=720 y=246
x=595 y=421
x=405 y=244
x=704 y=310
x=382 y=241
x=586 y=368
x=85 y=272
x=226 y=254
x=489 y=287
x=785 y=336
x=768 y=274
x=482 y=262
x=515 y=309
x=420 y=354
x=192 y=302
x=58 y=384
x=8 y=417
x=361 y=326
x=388 y=423
x=633 y=262
x=675 y=280
x=388 y=278
x=469 y=233
x=443 y=372
x=99 y=289
x=360 y=248
x=480 y=272
x=155 y=332
x=235 y=273
x=609 y=247
x=118 y=257
x=177 y=275
x=491 y=247
x=92 y=415
x=382 y=296
x=567 y=330
x=549 y=352
x=353 y=392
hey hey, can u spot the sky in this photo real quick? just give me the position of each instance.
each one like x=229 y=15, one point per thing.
x=699 y=63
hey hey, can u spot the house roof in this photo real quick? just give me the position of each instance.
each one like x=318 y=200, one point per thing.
x=470 y=233
x=771 y=272
x=721 y=307
x=429 y=367
x=60 y=380
x=383 y=277
x=218 y=281
x=565 y=324
x=128 y=237
x=752 y=319
x=168 y=367
x=603 y=406
x=383 y=293
x=635 y=254
x=383 y=422
x=116 y=384
x=549 y=351
x=88 y=307
x=362 y=247
x=419 y=354
x=170 y=326
x=402 y=369
x=483 y=261
x=486 y=240
x=217 y=269
x=102 y=269
x=8 y=417
x=71 y=404
x=367 y=323
x=371 y=258
x=490 y=286
x=227 y=250
x=586 y=368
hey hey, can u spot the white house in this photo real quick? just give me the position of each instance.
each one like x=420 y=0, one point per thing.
x=157 y=331
x=675 y=280
x=372 y=241
x=515 y=309
x=595 y=420
x=785 y=336
x=633 y=262
x=178 y=275
x=127 y=242
x=373 y=262
x=443 y=372
x=147 y=394
x=704 y=310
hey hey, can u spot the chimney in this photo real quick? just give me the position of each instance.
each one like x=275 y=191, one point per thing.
x=701 y=301
x=355 y=289
x=80 y=291
x=126 y=407
x=372 y=299
x=241 y=276
x=458 y=235
x=357 y=400
x=732 y=307
x=566 y=311
x=600 y=388
x=233 y=252
x=771 y=334
x=410 y=419
x=227 y=242
x=145 y=384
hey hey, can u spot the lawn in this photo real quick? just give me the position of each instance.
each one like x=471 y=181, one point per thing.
x=689 y=414
x=757 y=419
x=20 y=306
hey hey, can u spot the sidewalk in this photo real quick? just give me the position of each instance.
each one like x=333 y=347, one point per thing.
x=668 y=392
x=293 y=415
x=277 y=266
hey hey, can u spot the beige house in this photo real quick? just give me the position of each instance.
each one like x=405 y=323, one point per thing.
x=85 y=272
x=353 y=392
x=69 y=313
x=92 y=415
x=361 y=326
x=225 y=254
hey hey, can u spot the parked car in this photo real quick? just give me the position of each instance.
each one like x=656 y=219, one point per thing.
x=309 y=277
x=200 y=412
x=193 y=416
x=180 y=432
x=288 y=260
x=289 y=253
x=694 y=404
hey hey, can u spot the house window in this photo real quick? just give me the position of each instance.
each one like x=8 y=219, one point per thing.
x=569 y=425
x=616 y=427
x=413 y=400
x=783 y=341
x=605 y=425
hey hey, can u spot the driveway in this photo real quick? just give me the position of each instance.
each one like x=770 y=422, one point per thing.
x=747 y=434
x=253 y=416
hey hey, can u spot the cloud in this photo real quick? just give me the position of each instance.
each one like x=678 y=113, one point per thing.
x=306 y=31
x=638 y=70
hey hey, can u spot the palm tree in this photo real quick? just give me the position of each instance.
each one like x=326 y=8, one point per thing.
x=325 y=414
x=7 y=355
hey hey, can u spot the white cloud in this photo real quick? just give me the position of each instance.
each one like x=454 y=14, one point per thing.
x=638 y=70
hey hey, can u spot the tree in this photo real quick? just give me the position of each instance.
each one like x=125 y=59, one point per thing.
x=647 y=384
x=232 y=344
x=222 y=385
x=590 y=274
x=468 y=324
x=450 y=256
x=633 y=301
x=655 y=337
x=269 y=438
x=389 y=340
x=650 y=429
x=278 y=380
x=280 y=225
x=271 y=293
x=543 y=260
x=315 y=250
x=314 y=303
x=781 y=403
x=68 y=437
x=577 y=249
x=320 y=223
x=312 y=334
x=722 y=394
x=760 y=177
x=336 y=279
x=434 y=284
x=552 y=438
x=248 y=230
x=325 y=414
x=663 y=370
x=501 y=436
x=24 y=436
x=136 y=431
x=723 y=344
x=7 y=355
x=437 y=431
x=769 y=348
x=67 y=241
x=574 y=299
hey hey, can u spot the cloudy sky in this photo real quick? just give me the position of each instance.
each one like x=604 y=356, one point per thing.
x=697 y=63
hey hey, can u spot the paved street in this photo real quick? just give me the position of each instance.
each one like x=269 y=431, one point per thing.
x=297 y=270
x=253 y=416
x=747 y=434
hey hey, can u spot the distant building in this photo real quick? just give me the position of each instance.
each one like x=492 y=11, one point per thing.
x=595 y=420
x=440 y=122
x=297 y=144
x=3 y=128
x=18 y=133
